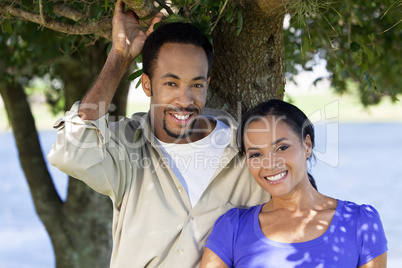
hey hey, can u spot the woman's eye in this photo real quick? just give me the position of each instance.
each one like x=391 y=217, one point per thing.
x=254 y=155
x=283 y=147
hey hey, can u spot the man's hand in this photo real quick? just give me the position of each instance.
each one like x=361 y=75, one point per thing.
x=128 y=38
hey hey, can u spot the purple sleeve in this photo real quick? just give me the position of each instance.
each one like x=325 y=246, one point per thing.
x=222 y=237
x=370 y=235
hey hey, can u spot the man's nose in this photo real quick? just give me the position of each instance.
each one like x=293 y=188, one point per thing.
x=184 y=97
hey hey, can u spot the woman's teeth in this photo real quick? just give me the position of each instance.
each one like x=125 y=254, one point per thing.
x=276 y=177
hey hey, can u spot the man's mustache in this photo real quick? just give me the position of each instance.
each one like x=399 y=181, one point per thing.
x=182 y=109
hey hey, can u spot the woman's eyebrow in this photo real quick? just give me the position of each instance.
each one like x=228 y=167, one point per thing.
x=278 y=141
x=253 y=148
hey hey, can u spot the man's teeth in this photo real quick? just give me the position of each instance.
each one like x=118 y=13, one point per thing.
x=181 y=117
x=276 y=177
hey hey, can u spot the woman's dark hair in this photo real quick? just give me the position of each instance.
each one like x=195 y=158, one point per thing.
x=290 y=114
x=177 y=32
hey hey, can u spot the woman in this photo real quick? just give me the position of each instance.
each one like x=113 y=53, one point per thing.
x=298 y=227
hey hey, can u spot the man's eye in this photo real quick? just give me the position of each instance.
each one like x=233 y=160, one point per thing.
x=170 y=84
x=198 y=85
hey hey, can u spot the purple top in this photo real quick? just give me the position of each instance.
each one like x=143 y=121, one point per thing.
x=355 y=237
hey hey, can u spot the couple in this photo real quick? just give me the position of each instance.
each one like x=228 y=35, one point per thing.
x=164 y=213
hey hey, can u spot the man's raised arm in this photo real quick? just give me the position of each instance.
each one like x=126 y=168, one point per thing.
x=128 y=40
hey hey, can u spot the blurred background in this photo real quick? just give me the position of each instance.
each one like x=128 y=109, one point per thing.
x=358 y=158
x=341 y=61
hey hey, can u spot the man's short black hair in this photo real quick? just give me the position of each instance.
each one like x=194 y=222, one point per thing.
x=180 y=33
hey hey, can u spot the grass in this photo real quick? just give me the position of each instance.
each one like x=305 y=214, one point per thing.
x=345 y=108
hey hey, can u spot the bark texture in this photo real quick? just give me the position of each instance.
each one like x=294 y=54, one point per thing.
x=79 y=228
x=248 y=68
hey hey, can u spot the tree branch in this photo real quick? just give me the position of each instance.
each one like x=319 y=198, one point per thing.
x=47 y=201
x=42 y=16
x=166 y=7
x=143 y=9
x=67 y=12
x=102 y=28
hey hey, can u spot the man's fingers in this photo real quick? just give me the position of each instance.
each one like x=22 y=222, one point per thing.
x=118 y=7
x=157 y=18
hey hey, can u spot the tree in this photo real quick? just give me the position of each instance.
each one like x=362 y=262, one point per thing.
x=66 y=41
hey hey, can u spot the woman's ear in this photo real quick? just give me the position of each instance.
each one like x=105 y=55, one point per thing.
x=308 y=145
x=146 y=84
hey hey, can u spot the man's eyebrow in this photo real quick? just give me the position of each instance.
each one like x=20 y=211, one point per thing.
x=200 y=78
x=170 y=75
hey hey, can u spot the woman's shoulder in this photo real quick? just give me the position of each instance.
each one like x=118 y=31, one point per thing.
x=239 y=214
x=361 y=212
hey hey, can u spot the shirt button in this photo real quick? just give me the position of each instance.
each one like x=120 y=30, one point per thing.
x=180 y=189
x=180 y=251
x=191 y=219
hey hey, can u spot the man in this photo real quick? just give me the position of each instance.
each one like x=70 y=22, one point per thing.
x=170 y=172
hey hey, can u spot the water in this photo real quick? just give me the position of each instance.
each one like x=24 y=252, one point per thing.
x=357 y=162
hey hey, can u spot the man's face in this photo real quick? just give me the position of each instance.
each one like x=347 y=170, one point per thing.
x=178 y=91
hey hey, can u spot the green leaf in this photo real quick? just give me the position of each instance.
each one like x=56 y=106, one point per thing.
x=138 y=84
x=194 y=9
x=106 y=5
x=220 y=5
x=369 y=53
x=280 y=91
x=6 y=26
x=134 y=75
x=174 y=18
x=355 y=47
x=367 y=78
x=239 y=24
x=229 y=15
x=138 y=59
x=156 y=25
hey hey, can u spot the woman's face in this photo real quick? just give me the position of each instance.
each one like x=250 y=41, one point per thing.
x=276 y=156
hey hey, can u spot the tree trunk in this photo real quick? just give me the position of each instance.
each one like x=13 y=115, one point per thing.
x=249 y=67
x=80 y=228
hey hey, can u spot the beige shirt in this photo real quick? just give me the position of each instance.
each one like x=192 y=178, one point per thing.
x=154 y=224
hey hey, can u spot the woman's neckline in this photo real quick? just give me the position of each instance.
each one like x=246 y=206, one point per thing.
x=324 y=237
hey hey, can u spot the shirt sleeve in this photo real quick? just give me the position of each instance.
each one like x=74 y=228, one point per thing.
x=370 y=235
x=222 y=238
x=89 y=151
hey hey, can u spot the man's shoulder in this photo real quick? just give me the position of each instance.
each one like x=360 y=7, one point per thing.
x=130 y=127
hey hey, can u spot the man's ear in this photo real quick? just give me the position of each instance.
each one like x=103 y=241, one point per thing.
x=308 y=145
x=146 y=84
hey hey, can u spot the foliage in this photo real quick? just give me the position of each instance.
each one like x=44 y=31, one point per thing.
x=29 y=51
x=204 y=14
x=360 y=40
